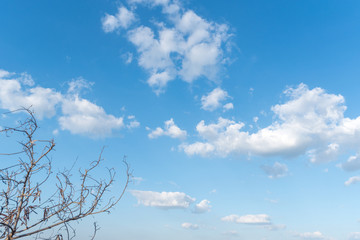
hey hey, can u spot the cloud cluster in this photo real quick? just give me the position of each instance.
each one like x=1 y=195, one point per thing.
x=311 y=122
x=78 y=115
x=181 y=45
x=214 y=100
x=170 y=129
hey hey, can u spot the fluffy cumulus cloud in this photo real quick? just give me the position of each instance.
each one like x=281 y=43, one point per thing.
x=214 y=100
x=181 y=45
x=123 y=19
x=14 y=96
x=164 y=200
x=275 y=171
x=258 y=219
x=170 y=129
x=81 y=116
x=311 y=235
x=78 y=115
x=310 y=122
x=191 y=226
x=352 y=180
x=202 y=207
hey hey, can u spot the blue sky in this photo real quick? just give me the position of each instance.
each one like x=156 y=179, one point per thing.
x=239 y=118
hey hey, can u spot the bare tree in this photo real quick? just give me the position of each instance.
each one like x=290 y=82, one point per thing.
x=27 y=208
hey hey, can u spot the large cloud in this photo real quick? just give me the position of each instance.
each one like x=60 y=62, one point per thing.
x=78 y=115
x=182 y=45
x=311 y=121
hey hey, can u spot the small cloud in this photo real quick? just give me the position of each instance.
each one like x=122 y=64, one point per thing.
x=258 y=219
x=271 y=200
x=123 y=19
x=190 y=226
x=228 y=107
x=26 y=79
x=163 y=200
x=4 y=73
x=79 y=84
x=213 y=191
x=276 y=171
x=231 y=233
x=55 y=132
x=133 y=124
x=137 y=180
x=170 y=129
x=213 y=100
x=352 y=164
x=251 y=91
x=202 y=207
x=311 y=235
x=274 y=227
x=352 y=180
x=127 y=57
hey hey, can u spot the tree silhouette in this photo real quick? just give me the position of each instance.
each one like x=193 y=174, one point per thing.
x=25 y=209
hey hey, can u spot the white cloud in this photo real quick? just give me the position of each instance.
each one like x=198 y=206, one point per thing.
x=183 y=46
x=42 y=100
x=275 y=171
x=311 y=235
x=79 y=84
x=170 y=129
x=26 y=79
x=354 y=236
x=4 y=73
x=123 y=19
x=83 y=117
x=275 y=227
x=352 y=164
x=78 y=115
x=352 y=180
x=213 y=100
x=248 y=219
x=228 y=106
x=164 y=200
x=311 y=121
x=202 y=207
x=190 y=226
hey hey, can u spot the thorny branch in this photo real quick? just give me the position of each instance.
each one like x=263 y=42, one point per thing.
x=27 y=211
